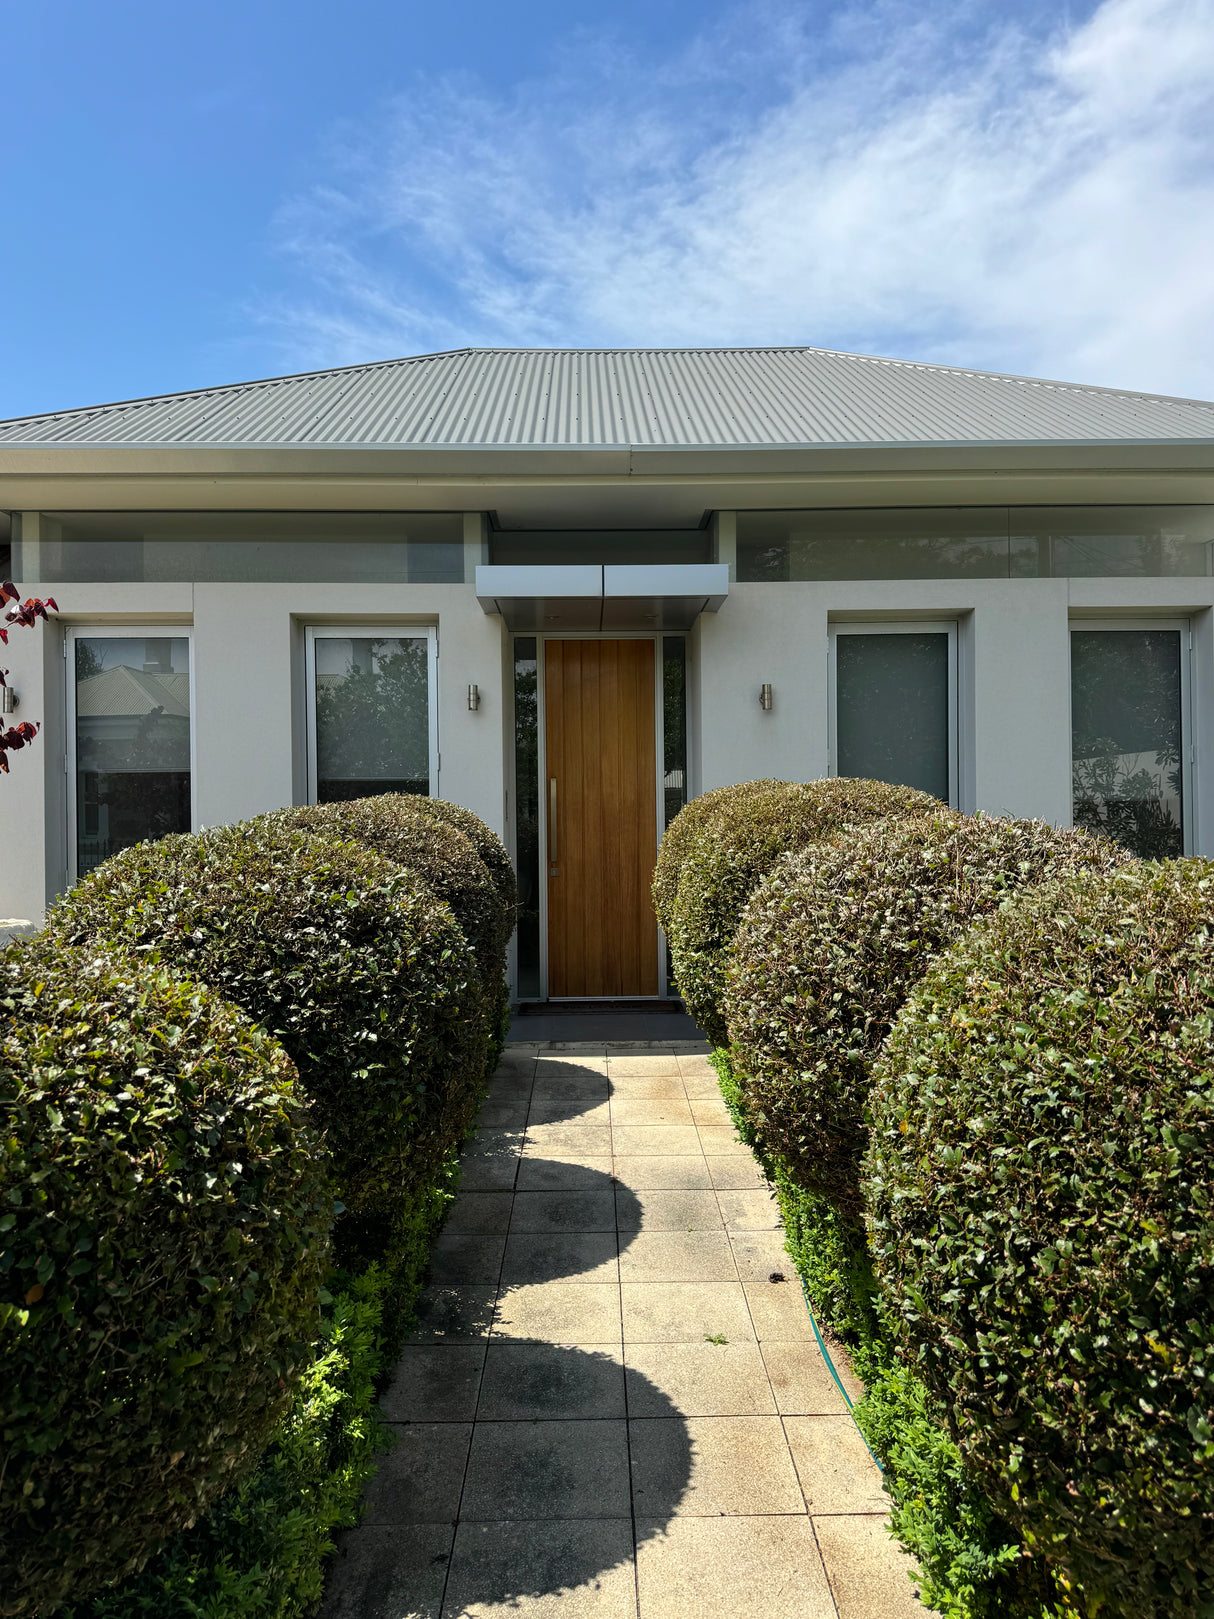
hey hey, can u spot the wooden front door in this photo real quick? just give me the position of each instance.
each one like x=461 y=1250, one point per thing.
x=602 y=817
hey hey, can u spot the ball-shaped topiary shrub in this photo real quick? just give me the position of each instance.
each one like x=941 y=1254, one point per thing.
x=735 y=848
x=164 y=1211
x=402 y=827
x=680 y=836
x=488 y=845
x=1041 y=1186
x=336 y=950
x=831 y=945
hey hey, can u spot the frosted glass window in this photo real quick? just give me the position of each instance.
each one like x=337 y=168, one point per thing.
x=132 y=743
x=1127 y=737
x=893 y=718
x=371 y=710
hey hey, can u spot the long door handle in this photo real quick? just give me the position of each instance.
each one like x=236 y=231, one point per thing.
x=552 y=826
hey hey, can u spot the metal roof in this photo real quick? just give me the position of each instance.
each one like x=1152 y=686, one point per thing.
x=643 y=398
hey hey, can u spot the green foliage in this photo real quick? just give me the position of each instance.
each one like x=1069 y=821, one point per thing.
x=363 y=976
x=1042 y=1221
x=260 y=1554
x=832 y=943
x=971 y=1563
x=164 y=1212
x=490 y=848
x=735 y=849
x=681 y=835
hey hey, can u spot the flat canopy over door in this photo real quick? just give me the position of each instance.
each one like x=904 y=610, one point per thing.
x=602 y=817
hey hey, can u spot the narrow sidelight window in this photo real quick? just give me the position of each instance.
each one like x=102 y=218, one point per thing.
x=894 y=705
x=674 y=726
x=129 y=703
x=527 y=815
x=1128 y=735
x=371 y=713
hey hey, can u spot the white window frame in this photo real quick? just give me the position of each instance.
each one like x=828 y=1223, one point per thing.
x=365 y=632
x=117 y=632
x=1184 y=627
x=916 y=626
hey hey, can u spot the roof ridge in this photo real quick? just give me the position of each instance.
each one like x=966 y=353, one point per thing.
x=365 y=366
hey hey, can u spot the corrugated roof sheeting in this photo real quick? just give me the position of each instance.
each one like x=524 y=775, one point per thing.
x=645 y=398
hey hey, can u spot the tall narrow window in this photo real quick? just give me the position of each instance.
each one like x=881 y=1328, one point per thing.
x=130 y=701
x=894 y=708
x=674 y=725
x=527 y=815
x=1128 y=750
x=372 y=714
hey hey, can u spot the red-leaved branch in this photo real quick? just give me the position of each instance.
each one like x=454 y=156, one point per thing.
x=18 y=613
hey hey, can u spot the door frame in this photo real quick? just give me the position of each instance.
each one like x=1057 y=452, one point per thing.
x=655 y=637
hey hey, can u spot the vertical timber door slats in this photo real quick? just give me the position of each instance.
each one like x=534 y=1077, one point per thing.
x=600 y=744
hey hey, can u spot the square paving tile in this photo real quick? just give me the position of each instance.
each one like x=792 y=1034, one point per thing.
x=652 y=1089
x=434 y=1383
x=678 y=1256
x=697 y=1379
x=643 y=1110
x=801 y=1380
x=389 y=1573
x=572 y=1110
x=485 y=1173
x=454 y=1314
x=569 y=1256
x=419 y=1479
x=570 y=1065
x=720 y=1140
x=667 y=1210
x=870 y=1575
x=551 y=1140
x=642 y=1065
x=761 y=1254
x=564 y=1211
x=778 y=1308
x=837 y=1474
x=703 y=1467
x=655 y=1140
x=737 y=1568
x=551 y=1381
x=570 y=1172
x=503 y=1114
x=688 y=1173
x=479 y=1214
x=685 y=1312
x=457 y=1259
x=547 y=1470
x=701 y=1086
x=753 y=1210
x=698 y=1063
x=514 y=1086
x=710 y=1110
x=560 y=1313
x=571 y=1088
x=735 y=1174
x=544 y=1570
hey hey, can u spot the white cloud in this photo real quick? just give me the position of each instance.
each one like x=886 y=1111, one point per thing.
x=1018 y=198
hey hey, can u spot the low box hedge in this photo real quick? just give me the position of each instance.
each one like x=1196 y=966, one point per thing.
x=164 y=1215
x=832 y=943
x=1041 y=1189
x=732 y=851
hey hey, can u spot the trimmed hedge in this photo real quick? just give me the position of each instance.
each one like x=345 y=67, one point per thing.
x=363 y=976
x=164 y=1211
x=831 y=945
x=681 y=835
x=1041 y=1179
x=488 y=845
x=734 y=849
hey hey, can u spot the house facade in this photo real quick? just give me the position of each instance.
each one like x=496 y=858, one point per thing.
x=572 y=588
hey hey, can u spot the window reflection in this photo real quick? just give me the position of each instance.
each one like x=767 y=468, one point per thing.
x=527 y=815
x=132 y=742
x=892 y=709
x=372 y=716
x=1126 y=729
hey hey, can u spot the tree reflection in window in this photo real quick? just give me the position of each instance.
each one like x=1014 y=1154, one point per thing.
x=372 y=716
x=1126 y=728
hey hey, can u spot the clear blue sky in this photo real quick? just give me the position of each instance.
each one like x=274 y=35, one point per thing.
x=197 y=195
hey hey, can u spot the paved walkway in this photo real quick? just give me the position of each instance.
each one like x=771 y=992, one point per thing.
x=614 y=1407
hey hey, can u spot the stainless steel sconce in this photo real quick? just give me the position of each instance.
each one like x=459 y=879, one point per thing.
x=8 y=700
x=474 y=698
x=765 y=697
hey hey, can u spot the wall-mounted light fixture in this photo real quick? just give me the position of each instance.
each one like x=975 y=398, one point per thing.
x=474 y=698
x=8 y=700
x=765 y=697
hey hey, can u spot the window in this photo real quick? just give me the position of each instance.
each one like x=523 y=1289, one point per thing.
x=130 y=755
x=674 y=726
x=600 y=545
x=894 y=705
x=976 y=542
x=527 y=814
x=1129 y=734
x=237 y=547
x=372 y=712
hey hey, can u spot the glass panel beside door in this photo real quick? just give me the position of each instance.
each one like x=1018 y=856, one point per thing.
x=1128 y=741
x=130 y=706
x=371 y=714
